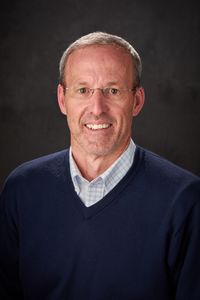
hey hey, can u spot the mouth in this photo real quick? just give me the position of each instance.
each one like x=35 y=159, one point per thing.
x=98 y=126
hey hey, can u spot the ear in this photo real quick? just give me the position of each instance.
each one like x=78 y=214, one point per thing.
x=61 y=99
x=139 y=97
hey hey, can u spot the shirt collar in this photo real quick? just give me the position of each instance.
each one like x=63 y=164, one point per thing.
x=112 y=175
x=120 y=167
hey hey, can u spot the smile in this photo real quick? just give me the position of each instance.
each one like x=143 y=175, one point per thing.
x=97 y=126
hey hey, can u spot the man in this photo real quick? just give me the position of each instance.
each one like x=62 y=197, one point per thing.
x=105 y=219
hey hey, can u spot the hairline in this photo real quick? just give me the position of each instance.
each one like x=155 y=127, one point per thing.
x=102 y=39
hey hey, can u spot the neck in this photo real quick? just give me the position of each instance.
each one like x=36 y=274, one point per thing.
x=91 y=166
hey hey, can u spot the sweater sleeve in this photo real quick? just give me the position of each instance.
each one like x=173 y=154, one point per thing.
x=184 y=250
x=10 y=287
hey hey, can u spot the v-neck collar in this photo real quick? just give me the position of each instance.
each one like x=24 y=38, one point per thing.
x=89 y=212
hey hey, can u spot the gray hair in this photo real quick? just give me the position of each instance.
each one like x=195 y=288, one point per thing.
x=102 y=38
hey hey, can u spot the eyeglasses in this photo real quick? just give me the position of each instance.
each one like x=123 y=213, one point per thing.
x=108 y=92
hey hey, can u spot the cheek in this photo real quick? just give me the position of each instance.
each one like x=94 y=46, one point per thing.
x=74 y=115
x=125 y=114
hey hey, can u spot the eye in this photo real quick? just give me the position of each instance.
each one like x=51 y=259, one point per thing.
x=82 y=90
x=114 y=91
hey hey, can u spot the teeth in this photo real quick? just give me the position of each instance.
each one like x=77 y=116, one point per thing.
x=97 y=126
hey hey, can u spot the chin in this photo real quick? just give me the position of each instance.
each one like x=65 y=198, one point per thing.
x=98 y=147
x=100 y=150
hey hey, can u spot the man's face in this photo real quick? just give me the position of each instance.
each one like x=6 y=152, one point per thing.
x=99 y=126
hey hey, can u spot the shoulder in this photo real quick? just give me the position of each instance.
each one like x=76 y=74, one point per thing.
x=163 y=177
x=160 y=167
x=51 y=165
x=168 y=188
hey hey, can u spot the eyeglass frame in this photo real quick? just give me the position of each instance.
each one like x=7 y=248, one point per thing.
x=91 y=90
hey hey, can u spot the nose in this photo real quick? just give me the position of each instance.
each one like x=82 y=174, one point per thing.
x=98 y=103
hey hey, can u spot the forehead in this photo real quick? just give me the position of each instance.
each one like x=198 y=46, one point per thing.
x=99 y=59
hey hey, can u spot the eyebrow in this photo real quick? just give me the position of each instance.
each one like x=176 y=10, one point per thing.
x=113 y=82
x=82 y=83
x=108 y=84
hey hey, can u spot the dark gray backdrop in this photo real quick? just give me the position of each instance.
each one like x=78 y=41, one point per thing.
x=35 y=33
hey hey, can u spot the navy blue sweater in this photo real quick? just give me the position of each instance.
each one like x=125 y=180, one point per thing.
x=140 y=242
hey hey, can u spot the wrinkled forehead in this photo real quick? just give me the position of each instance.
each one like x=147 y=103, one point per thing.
x=100 y=59
x=101 y=51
